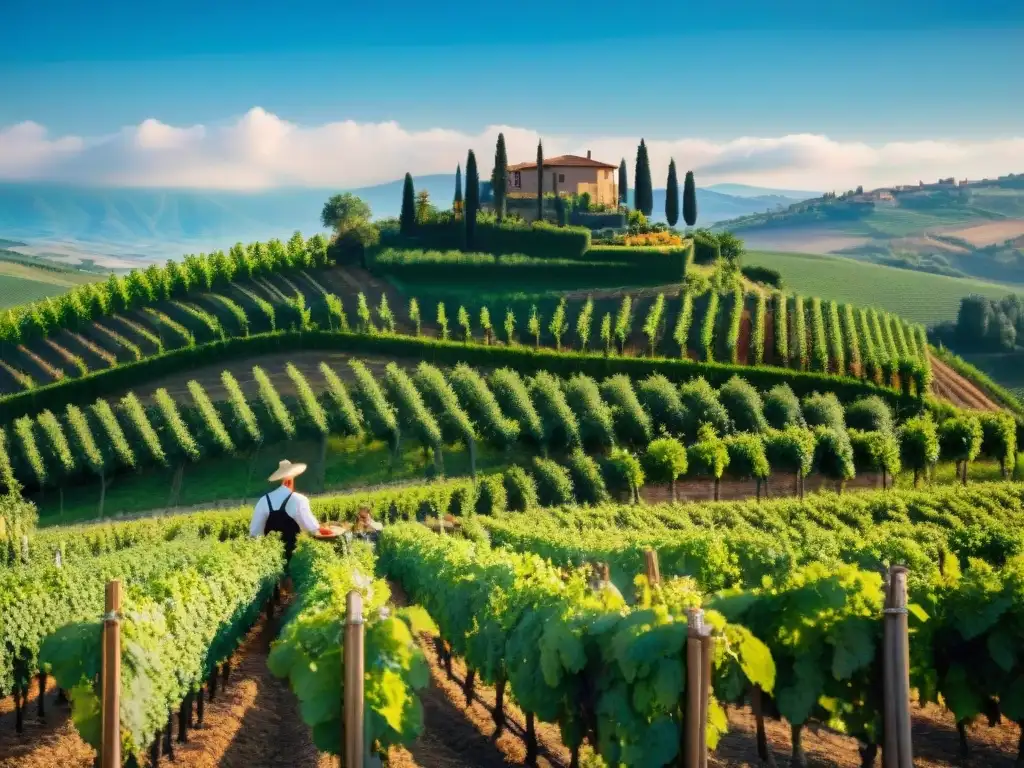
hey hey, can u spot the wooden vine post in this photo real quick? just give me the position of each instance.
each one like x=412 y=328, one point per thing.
x=110 y=744
x=352 y=705
x=897 y=751
x=698 y=686
x=653 y=569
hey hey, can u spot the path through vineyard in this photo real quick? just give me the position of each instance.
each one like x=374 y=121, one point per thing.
x=950 y=385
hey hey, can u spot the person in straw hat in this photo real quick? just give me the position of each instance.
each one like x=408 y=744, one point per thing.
x=283 y=510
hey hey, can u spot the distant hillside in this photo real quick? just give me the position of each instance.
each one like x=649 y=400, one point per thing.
x=974 y=230
x=133 y=224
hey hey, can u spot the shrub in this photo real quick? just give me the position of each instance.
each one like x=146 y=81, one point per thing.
x=791 y=450
x=744 y=405
x=824 y=410
x=875 y=452
x=462 y=501
x=835 y=338
x=623 y=472
x=514 y=398
x=756 y=350
x=762 y=275
x=798 y=349
x=587 y=482
x=708 y=456
x=559 y=422
x=665 y=461
x=707 y=329
x=596 y=427
x=681 y=333
x=702 y=406
x=662 y=401
x=819 y=351
x=852 y=339
x=653 y=321
x=869 y=414
x=491 y=498
x=732 y=338
x=919 y=444
x=999 y=439
x=747 y=458
x=520 y=489
x=632 y=424
x=781 y=408
x=554 y=484
x=960 y=441
x=833 y=454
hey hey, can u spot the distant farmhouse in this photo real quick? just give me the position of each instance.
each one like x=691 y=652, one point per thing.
x=571 y=174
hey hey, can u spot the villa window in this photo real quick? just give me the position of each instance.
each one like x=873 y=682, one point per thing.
x=517 y=180
x=561 y=178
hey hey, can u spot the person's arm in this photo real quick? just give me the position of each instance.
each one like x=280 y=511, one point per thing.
x=304 y=515
x=259 y=518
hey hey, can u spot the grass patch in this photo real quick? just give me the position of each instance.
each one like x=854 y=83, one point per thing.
x=919 y=297
x=22 y=283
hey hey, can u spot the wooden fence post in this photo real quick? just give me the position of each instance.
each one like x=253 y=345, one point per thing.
x=653 y=570
x=110 y=745
x=694 y=672
x=897 y=751
x=352 y=710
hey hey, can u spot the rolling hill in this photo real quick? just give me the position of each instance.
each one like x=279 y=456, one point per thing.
x=974 y=229
x=134 y=224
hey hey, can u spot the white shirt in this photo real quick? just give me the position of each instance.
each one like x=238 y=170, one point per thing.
x=297 y=509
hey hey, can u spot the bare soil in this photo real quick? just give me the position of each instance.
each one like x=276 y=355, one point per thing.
x=951 y=386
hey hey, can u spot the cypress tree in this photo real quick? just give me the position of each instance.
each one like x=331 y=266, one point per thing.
x=540 y=181
x=499 y=177
x=672 y=195
x=689 y=200
x=643 y=191
x=407 y=222
x=623 y=183
x=457 y=202
x=472 y=199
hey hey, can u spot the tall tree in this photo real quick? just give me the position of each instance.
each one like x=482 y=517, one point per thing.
x=643 y=191
x=407 y=221
x=457 y=202
x=672 y=195
x=623 y=183
x=689 y=200
x=540 y=181
x=499 y=177
x=472 y=198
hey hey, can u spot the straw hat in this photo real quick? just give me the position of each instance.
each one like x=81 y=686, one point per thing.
x=286 y=469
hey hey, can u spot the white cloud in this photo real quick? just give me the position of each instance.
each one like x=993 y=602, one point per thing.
x=260 y=150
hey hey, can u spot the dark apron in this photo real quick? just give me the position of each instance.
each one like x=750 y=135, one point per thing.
x=279 y=521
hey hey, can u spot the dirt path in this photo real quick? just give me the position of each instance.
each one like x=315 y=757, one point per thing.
x=951 y=386
x=253 y=723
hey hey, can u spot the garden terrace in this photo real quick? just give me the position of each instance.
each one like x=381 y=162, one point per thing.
x=344 y=424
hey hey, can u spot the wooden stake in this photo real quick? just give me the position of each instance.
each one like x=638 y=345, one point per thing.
x=705 y=691
x=110 y=745
x=694 y=668
x=653 y=570
x=352 y=711
x=901 y=663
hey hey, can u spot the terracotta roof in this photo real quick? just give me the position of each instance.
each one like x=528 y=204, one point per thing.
x=563 y=161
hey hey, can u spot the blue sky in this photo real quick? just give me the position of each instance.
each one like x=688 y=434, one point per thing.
x=865 y=71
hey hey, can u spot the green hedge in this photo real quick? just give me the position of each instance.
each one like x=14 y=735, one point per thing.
x=540 y=239
x=523 y=358
x=608 y=266
x=454 y=267
x=594 y=221
x=763 y=275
